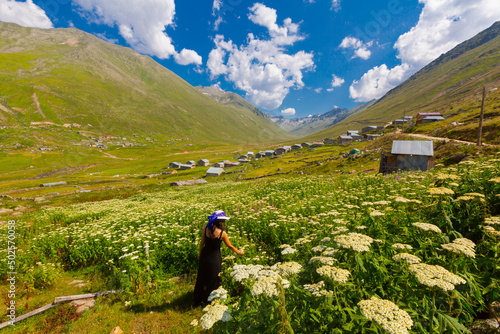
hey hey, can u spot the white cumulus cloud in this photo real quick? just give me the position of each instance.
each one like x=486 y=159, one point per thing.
x=288 y=112
x=337 y=81
x=261 y=67
x=186 y=57
x=26 y=14
x=141 y=23
x=377 y=81
x=360 y=48
x=442 y=25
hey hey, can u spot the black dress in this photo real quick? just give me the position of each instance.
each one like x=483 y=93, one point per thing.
x=209 y=268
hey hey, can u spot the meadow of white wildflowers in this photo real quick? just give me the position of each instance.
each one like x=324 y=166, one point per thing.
x=350 y=254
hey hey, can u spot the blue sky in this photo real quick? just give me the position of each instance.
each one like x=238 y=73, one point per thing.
x=294 y=58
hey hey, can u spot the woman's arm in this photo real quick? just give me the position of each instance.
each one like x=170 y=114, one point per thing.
x=202 y=241
x=228 y=244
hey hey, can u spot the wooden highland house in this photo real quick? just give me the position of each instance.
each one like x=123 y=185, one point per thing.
x=408 y=155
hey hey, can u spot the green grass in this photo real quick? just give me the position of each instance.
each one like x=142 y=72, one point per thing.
x=265 y=214
x=165 y=310
x=115 y=90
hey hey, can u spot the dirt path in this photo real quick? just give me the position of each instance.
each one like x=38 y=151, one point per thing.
x=115 y=157
x=446 y=140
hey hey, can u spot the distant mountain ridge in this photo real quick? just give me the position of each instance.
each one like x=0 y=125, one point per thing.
x=309 y=125
x=69 y=76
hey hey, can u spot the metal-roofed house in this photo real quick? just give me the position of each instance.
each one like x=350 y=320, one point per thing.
x=214 y=171
x=431 y=119
x=330 y=141
x=354 y=134
x=260 y=154
x=344 y=139
x=186 y=166
x=370 y=136
x=356 y=137
x=203 y=162
x=282 y=150
x=369 y=128
x=296 y=146
x=317 y=144
x=175 y=165
x=408 y=155
x=231 y=163
x=422 y=115
x=191 y=162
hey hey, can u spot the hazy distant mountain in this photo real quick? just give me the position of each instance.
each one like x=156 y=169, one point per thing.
x=69 y=76
x=309 y=125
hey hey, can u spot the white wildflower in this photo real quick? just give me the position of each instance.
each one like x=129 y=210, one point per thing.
x=268 y=285
x=386 y=314
x=288 y=268
x=288 y=250
x=220 y=293
x=401 y=246
x=337 y=274
x=409 y=258
x=427 y=227
x=461 y=246
x=214 y=312
x=317 y=289
x=435 y=276
x=323 y=259
x=319 y=248
x=355 y=241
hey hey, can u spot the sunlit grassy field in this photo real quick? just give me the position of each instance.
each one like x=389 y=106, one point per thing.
x=346 y=253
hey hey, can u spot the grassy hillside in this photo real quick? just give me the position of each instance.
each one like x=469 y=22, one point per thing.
x=452 y=85
x=230 y=99
x=68 y=76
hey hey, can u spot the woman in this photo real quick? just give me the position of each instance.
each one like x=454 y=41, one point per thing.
x=210 y=258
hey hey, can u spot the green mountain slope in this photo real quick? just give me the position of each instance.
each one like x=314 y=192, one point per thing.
x=451 y=84
x=230 y=99
x=68 y=76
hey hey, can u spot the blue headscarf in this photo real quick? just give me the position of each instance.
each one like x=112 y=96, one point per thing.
x=216 y=215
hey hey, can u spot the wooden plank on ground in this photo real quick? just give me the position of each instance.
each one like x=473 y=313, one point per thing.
x=58 y=300
x=84 y=296
x=27 y=315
